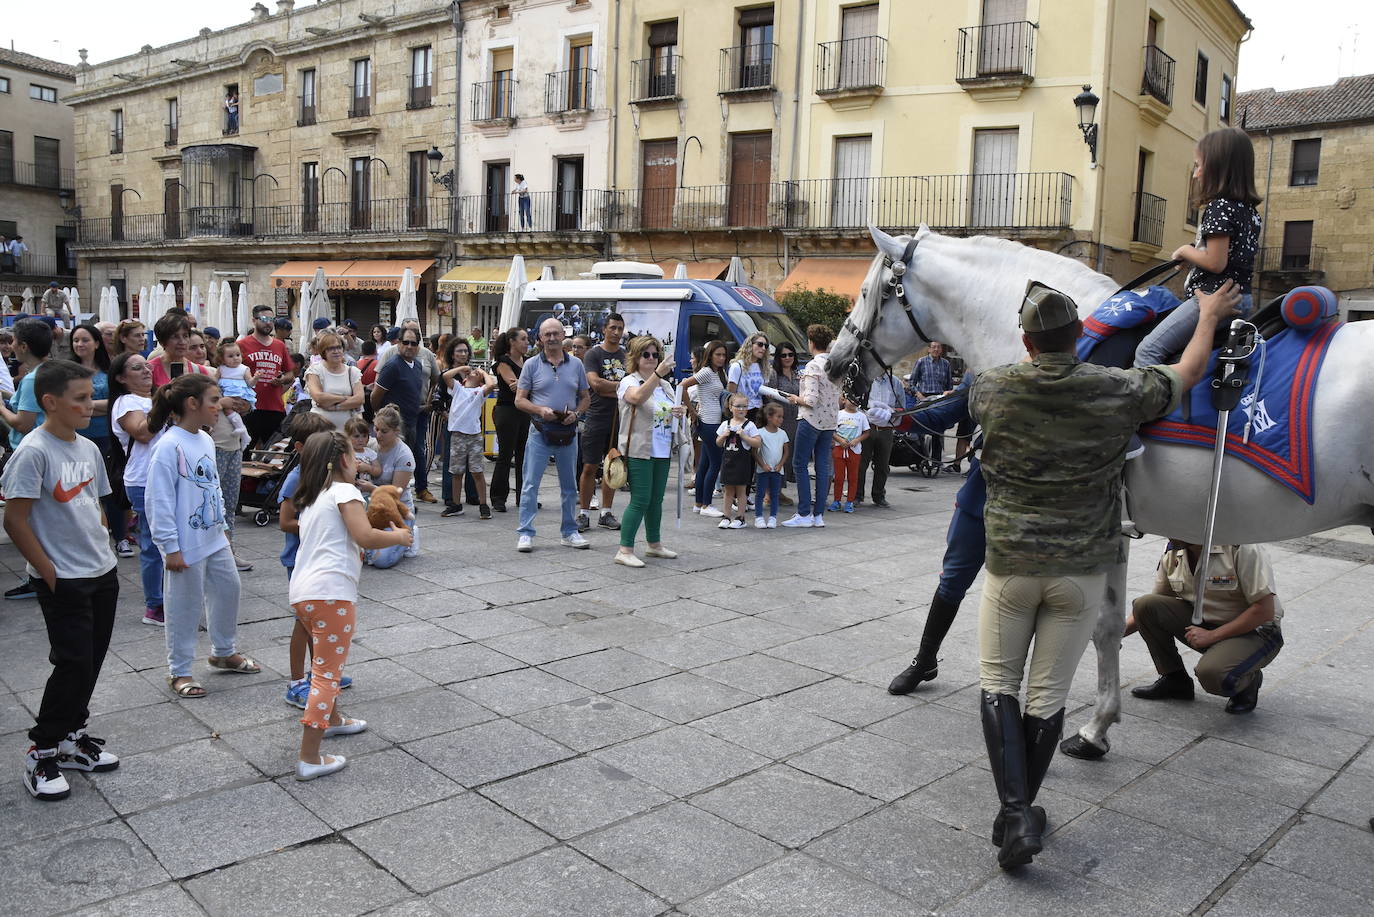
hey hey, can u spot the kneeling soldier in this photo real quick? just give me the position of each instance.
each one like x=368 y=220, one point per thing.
x=1239 y=634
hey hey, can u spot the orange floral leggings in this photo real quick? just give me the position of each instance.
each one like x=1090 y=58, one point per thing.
x=330 y=625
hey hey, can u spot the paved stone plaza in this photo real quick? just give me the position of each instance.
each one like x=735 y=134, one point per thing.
x=552 y=734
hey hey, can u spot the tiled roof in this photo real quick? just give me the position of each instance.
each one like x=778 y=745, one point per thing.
x=1348 y=99
x=34 y=62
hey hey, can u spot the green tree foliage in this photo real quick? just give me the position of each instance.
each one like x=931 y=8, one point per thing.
x=816 y=307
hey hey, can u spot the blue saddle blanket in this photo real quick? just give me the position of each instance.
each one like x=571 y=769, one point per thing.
x=1127 y=309
x=1280 y=414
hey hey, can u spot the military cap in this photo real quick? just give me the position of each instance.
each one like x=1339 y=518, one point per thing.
x=1045 y=308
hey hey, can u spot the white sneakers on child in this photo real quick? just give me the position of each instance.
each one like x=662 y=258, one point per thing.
x=760 y=522
x=710 y=511
x=798 y=522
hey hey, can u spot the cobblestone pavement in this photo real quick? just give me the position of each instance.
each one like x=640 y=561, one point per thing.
x=554 y=734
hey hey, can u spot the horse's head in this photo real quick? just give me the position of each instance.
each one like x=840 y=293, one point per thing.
x=884 y=325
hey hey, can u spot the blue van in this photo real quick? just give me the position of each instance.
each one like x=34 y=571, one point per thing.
x=683 y=314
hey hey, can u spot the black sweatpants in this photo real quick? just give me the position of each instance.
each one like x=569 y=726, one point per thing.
x=79 y=615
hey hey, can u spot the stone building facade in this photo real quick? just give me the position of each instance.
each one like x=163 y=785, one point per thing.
x=37 y=157
x=1315 y=171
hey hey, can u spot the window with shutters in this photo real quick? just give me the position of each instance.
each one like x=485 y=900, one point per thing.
x=1307 y=156
x=47 y=168
x=1200 y=80
x=6 y=157
x=361 y=96
x=421 y=77
x=1297 y=245
x=309 y=98
x=310 y=196
x=663 y=60
x=360 y=196
x=117 y=130
x=173 y=122
x=1224 y=105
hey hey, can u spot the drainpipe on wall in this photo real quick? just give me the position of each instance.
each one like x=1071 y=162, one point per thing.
x=457 y=10
x=1102 y=132
x=796 y=130
x=615 y=118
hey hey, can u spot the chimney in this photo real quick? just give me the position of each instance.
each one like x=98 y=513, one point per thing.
x=284 y=6
x=259 y=12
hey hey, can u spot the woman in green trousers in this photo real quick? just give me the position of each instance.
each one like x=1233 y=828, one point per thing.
x=648 y=417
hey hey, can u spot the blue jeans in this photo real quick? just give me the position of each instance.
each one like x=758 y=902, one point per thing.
x=149 y=559
x=708 y=466
x=813 y=446
x=1172 y=334
x=385 y=558
x=524 y=202
x=768 y=484
x=537 y=454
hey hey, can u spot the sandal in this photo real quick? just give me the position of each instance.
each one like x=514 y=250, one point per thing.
x=189 y=687
x=245 y=665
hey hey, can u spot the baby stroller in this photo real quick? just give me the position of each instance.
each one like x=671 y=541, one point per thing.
x=264 y=471
x=911 y=443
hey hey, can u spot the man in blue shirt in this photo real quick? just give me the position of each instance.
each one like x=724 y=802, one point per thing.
x=401 y=382
x=930 y=378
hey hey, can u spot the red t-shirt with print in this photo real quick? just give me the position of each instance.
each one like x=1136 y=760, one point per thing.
x=267 y=361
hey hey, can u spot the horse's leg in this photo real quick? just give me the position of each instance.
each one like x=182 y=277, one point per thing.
x=1091 y=742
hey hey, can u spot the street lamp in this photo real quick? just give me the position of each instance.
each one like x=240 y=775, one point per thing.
x=1086 y=103
x=436 y=161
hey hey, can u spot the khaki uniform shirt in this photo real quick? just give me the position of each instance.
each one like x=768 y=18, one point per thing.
x=1238 y=576
x=1055 y=433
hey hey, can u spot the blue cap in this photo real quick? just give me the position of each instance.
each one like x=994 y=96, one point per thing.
x=47 y=320
x=349 y=323
x=320 y=323
x=282 y=323
x=393 y=333
x=211 y=331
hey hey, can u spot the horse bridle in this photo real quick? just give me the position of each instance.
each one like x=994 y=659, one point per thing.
x=892 y=287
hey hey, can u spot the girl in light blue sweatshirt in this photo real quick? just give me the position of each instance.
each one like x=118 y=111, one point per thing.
x=186 y=518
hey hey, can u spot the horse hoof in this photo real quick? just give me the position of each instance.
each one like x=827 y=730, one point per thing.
x=1076 y=746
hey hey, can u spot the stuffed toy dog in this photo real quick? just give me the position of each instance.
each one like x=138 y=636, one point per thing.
x=385 y=510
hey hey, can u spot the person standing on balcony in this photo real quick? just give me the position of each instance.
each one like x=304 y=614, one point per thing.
x=270 y=362
x=17 y=251
x=231 y=113
x=522 y=201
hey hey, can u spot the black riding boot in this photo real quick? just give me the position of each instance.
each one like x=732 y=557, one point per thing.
x=1006 y=740
x=926 y=664
x=1042 y=737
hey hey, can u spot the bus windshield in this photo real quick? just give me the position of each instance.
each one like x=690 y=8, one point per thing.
x=778 y=326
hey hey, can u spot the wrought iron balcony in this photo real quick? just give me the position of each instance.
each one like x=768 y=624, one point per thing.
x=39 y=175
x=568 y=90
x=655 y=79
x=169 y=137
x=1003 y=51
x=116 y=141
x=306 y=107
x=851 y=64
x=359 y=101
x=1149 y=219
x=747 y=68
x=1311 y=260
x=1158 y=79
x=493 y=100
x=421 y=94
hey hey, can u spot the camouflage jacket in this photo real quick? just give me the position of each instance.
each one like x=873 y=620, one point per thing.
x=1055 y=433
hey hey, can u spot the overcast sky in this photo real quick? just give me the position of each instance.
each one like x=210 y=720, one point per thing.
x=1296 y=42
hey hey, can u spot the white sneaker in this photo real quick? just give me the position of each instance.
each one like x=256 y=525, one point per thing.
x=81 y=752
x=724 y=524
x=525 y=545
x=798 y=522
x=575 y=540
x=772 y=522
x=126 y=548
x=818 y=521
x=737 y=524
x=42 y=776
x=710 y=511
x=696 y=509
x=596 y=502
x=760 y=522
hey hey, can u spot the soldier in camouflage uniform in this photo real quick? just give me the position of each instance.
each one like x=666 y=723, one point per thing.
x=1055 y=432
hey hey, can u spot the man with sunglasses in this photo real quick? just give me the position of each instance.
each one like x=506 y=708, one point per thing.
x=402 y=382
x=270 y=360
x=605 y=366
x=429 y=378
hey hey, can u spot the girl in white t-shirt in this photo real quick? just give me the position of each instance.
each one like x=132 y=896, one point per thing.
x=851 y=430
x=737 y=435
x=131 y=389
x=324 y=586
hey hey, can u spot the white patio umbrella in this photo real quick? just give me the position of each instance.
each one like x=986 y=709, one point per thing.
x=245 y=317
x=406 y=309
x=143 y=304
x=547 y=273
x=303 y=315
x=515 y=292
x=6 y=305
x=27 y=299
x=735 y=272
x=681 y=272
x=211 y=301
x=320 y=306
x=226 y=310
x=74 y=305
x=195 y=306
x=116 y=315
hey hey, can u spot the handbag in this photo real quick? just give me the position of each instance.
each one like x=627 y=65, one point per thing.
x=556 y=434
x=615 y=471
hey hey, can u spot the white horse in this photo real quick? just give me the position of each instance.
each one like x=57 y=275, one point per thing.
x=968 y=291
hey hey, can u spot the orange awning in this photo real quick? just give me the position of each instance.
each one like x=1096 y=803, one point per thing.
x=350 y=275
x=834 y=275
x=696 y=270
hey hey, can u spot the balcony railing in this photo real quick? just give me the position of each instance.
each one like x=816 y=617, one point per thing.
x=40 y=175
x=169 y=136
x=655 y=79
x=360 y=101
x=568 y=90
x=46 y=266
x=1004 y=50
x=1311 y=260
x=116 y=141
x=578 y=210
x=390 y=215
x=306 y=107
x=493 y=100
x=421 y=94
x=853 y=63
x=1158 y=79
x=747 y=68
x=1149 y=219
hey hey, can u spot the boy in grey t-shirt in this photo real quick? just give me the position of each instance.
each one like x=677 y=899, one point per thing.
x=53 y=484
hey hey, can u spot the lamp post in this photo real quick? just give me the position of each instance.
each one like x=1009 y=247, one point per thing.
x=1086 y=104
x=436 y=162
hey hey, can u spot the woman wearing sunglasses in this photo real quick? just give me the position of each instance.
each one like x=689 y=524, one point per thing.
x=648 y=418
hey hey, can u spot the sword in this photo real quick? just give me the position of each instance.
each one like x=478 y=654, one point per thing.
x=1226 y=392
